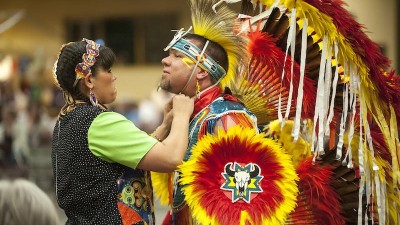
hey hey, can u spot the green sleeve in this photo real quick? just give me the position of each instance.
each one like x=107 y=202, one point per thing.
x=115 y=139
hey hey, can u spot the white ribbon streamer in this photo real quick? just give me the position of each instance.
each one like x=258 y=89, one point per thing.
x=221 y=1
x=245 y=27
x=353 y=103
x=360 y=205
x=334 y=85
x=342 y=123
x=292 y=52
x=291 y=35
x=299 y=102
x=319 y=106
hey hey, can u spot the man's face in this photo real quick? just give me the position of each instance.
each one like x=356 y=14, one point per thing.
x=177 y=70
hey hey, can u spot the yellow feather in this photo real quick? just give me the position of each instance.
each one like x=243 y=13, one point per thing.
x=245 y=218
x=219 y=27
x=392 y=197
x=383 y=114
x=160 y=186
x=388 y=127
x=297 y=150
x=322 y=24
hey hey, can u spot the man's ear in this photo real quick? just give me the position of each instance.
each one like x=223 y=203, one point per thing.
x=89 y=82
x=202 y=74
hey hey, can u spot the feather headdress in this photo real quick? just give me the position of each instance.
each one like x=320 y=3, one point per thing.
x=219 y=27
x=324 y=44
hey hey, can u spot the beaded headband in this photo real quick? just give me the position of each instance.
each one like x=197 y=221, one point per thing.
x=193 y=52
x=82 y=70
x=184 y=46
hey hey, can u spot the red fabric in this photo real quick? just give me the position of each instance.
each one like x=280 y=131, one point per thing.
x=128 y=215
x=230 y=97
x=268 y=57
x=205 y=99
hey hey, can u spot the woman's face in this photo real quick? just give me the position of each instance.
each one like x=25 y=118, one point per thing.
x=104 y=86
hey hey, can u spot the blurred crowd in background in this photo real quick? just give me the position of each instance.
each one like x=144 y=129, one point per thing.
x=29 y=106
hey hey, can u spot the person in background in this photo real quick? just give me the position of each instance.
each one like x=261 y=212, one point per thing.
x=24 y=203
x=101 y=159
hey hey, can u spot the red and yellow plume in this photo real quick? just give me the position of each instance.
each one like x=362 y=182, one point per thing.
x=207 y=183
x=219 y=27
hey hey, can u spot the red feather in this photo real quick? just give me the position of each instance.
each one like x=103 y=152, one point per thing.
x=388 y=86
x=380 y=147
x=317 y=195
x=268 y=55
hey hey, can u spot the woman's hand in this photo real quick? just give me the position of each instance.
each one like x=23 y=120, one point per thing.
x=182 y=106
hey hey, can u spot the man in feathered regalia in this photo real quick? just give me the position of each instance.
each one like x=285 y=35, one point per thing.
x=195 y=66
x=305 y=74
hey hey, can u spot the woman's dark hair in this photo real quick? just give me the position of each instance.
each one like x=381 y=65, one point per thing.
x=70 y=56
x=214 y=50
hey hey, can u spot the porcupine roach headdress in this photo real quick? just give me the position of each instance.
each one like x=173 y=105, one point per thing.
x=218 y=27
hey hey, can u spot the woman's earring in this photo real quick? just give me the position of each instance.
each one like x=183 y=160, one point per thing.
x=197 y=89
x=93 y=98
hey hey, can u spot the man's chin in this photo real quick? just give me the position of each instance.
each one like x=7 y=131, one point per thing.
x=166 y=88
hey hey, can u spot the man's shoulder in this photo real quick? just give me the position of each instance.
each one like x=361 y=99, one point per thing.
x=225 y=104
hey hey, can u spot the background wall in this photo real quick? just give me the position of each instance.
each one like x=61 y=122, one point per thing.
x=42 y=30
x=380 y=19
